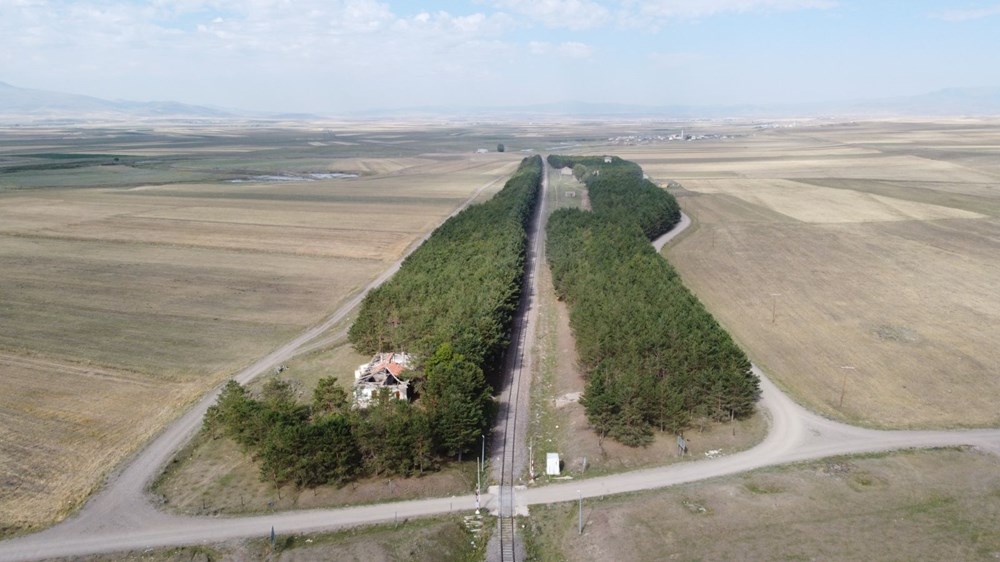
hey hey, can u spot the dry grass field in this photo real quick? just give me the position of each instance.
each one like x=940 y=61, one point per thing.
x=857 y=260
x=930 y=505
x=125 y=296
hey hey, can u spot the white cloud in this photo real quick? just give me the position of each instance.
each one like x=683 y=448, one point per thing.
x=568 y=49
x=574 y=50
x=540 y=47
x=663 y=9
x=251 y=53
x=571 y=14
x=674 y=60
x=970 y=14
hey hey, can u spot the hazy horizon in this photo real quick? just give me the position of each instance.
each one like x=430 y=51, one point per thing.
x=349 y=56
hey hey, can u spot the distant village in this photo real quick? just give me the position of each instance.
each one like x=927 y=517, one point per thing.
x=632 y=140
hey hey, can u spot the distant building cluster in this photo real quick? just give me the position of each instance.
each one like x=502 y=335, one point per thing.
x=631 y=140
x=791 y=125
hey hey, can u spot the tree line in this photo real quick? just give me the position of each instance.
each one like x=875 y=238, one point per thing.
x=654 y=358
x=619 y=191
x=450 y=306
x=462 y=285
x=329 y=442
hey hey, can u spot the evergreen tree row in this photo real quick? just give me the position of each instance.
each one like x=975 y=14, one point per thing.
x=462 y=285
x=619 y=191
x=450 y=306
x=653 y=356
x=329 y=442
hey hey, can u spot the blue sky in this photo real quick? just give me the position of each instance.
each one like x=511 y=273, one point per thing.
x=334 y=56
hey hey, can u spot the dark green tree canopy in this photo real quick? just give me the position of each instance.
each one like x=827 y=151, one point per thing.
x=653 y=356
x=461 y=286
x=458 y=399
x=452 y=303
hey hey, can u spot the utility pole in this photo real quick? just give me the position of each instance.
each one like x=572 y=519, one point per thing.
x=581 y=511
x=774 y=305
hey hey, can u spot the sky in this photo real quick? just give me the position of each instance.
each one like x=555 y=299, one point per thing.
x=342 y=56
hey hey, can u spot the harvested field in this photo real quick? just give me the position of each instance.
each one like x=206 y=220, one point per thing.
x=870 y=278
x=59 y=421
x=931 y=505
x=164 y=311
x=812 y=204
x=124 y=297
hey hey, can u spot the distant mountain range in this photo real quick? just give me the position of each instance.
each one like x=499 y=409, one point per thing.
x=33 y=105
x=948 y=102
x=26 y=102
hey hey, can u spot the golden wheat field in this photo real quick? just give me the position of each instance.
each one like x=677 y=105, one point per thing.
x=128 y=290
x=857 y=263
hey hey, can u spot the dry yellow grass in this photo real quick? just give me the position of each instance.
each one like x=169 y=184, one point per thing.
x=813 y=204
x=61 y=424
x=121 y=305
x=880 y=272
x=931 y=505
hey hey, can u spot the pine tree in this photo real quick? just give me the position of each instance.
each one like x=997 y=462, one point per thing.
x=457 y=399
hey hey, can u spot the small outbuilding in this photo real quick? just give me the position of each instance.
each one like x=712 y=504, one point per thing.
x=552 y=464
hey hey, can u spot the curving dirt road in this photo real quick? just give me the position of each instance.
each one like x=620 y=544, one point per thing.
x=122 y=518
x=669 y=235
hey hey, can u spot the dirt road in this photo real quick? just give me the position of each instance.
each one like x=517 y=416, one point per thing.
x=678 y=228
x=122 y=518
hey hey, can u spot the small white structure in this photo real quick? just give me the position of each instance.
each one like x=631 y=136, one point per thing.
x=381 y=372
x=481 y=151
x=552 y=464
x=607 y=159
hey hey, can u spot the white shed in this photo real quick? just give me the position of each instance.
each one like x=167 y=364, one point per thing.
x=552 y=464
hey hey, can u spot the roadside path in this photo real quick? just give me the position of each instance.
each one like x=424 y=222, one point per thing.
x=113 y=523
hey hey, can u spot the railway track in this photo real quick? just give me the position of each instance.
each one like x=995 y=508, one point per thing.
x=509 y=432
